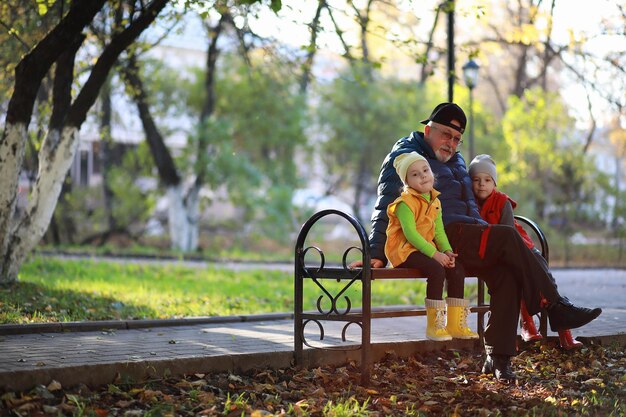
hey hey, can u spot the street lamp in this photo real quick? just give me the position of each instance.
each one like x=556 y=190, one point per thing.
x=470 y=76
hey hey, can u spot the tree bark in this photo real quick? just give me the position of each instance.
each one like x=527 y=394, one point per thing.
x=183 y=217
x=29 y=74
x=161 y=154
x=60 y=144
x=425 y=70
x=105 y=154
x=182 y=210
x=307 y=67
x=211 y=60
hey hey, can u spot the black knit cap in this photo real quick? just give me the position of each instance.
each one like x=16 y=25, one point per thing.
x=445 y=113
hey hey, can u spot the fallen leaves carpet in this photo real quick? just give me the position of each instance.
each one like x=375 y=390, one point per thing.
x=587 y=382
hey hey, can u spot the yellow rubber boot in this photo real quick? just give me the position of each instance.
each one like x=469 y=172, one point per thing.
x=458 y=309
x=436 y=314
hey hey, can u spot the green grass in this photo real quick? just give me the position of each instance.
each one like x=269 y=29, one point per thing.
x=56 y=290
x=218 y=249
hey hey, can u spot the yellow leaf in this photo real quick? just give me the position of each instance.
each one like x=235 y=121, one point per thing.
x=54 y=386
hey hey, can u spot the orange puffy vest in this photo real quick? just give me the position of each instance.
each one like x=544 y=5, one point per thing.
x=397 y=248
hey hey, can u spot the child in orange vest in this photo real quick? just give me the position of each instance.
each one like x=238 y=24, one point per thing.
x=416 y=239
x=497 y=208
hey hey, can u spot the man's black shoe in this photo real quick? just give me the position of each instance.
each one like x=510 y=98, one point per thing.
x=563 y=315
x=500 y=367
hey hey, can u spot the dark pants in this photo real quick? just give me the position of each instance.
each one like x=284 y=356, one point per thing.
x=501 y=329
x=510 y=270
x=436 y=275
x=544 y=264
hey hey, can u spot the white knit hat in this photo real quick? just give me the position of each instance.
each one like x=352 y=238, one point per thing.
x=483 y=164
x=404 y=161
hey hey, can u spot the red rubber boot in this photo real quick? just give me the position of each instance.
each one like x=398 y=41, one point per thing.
x=567 y=341
x=529 y=331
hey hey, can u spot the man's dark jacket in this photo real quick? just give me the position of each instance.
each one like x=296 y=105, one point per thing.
x=451 y=180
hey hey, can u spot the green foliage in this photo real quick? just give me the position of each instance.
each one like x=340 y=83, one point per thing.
x=235 y=404
x=275 y=5
x=346 y=408
x=248 y=145
x=275 y=214
x=266 y=113
x=361 y=118
x=24 y=24
x=213 y=155
x=83 y=207
x=546 y=169
x=166 y=92
x=131 y=205
x=252 y=140
x=542 y=154
x=43 y=6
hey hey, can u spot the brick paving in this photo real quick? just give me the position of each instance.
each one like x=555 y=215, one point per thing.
x=107 y=350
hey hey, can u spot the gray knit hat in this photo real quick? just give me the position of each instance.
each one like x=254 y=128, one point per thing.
x=483 y=164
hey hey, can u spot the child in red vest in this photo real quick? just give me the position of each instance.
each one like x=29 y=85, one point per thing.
x=497 y=208
x=416 y=239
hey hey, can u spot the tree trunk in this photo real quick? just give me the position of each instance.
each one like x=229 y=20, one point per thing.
x=60 y=144
x=105 y=154
x=183 y=217
x=182 y=210
x=209 y=83
x=55 y=158
x=426 y=69
x=11 y=157
x=307 y=67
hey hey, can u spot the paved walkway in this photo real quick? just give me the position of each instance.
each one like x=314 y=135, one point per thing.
x=141 y=349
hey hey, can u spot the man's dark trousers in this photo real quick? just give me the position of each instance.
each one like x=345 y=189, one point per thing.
x=501 y=329
x=510 y=271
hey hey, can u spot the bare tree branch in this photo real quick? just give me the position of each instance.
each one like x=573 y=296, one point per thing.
x=308 y=62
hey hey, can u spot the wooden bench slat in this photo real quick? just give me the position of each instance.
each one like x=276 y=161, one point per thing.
x=388 y=273
x=395 y=273
x=377 y=273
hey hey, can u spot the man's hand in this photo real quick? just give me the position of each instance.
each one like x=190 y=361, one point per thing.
x=375 y=263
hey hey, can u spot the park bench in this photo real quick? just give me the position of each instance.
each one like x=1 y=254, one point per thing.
x=336 y=305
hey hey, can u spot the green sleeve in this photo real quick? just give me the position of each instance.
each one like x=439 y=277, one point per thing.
x=407 y=221
x=441 y=239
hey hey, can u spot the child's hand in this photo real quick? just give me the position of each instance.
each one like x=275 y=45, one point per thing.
x=375 y=263
x=442 y=258
x=452 y=257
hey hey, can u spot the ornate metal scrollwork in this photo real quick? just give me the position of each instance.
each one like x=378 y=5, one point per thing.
x=344 y=259
x=333 y=303
x=321 y=254
x=321 y=327
x=304 y=323
x=345 y=328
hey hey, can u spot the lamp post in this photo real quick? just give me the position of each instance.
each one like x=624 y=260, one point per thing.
x=470 y=76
